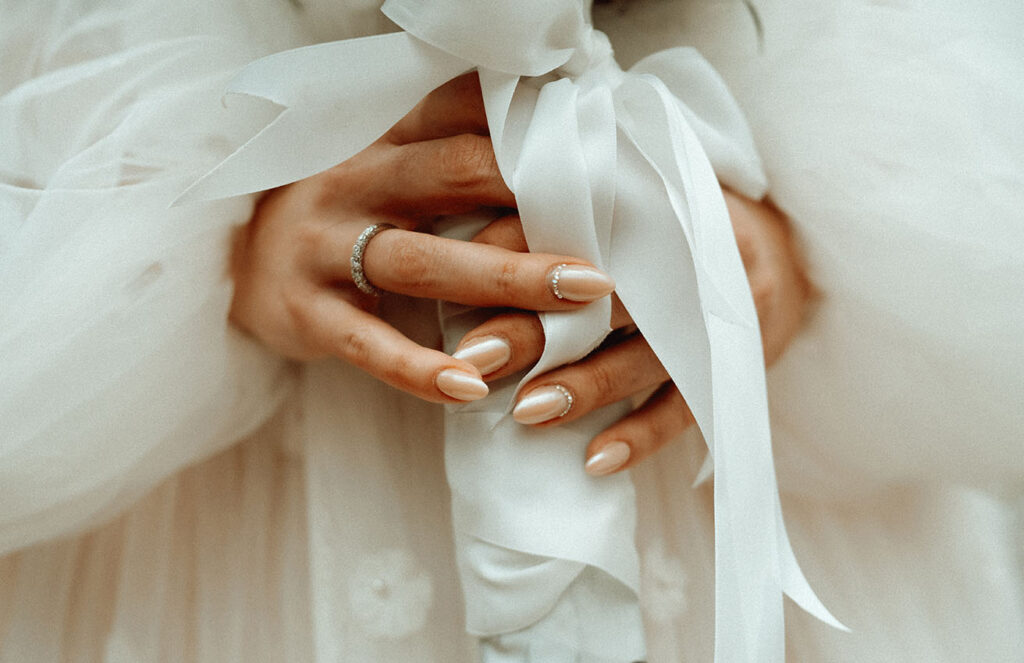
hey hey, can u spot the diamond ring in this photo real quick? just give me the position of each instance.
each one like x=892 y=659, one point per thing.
x=356 y=261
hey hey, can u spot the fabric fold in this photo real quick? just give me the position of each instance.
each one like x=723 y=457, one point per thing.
x=578 y=141
x=351 y=92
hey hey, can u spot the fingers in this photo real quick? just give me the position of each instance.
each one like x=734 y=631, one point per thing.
x=605 y=377
x=421 y=265
x=506 y=232
x=457 y=107
x=517 y=338
x=503 y=345
x=340 y=329
x=638 y=435
x=416 y=181
x=510 y=342
x=435 y=177
x=774 y=270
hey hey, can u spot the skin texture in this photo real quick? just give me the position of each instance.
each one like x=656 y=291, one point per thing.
x=293 y=289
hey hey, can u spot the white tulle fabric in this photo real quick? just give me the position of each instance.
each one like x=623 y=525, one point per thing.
x=94 y=264
x=324 y=535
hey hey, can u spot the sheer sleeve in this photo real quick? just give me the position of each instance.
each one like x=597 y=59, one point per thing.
x=119 y=366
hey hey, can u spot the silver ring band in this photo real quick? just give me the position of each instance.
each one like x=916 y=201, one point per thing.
x=356 y=261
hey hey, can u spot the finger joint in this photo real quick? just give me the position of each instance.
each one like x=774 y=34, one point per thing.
x=468 y=162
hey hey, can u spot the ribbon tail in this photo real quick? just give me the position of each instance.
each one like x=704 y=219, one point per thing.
x=338 y=97
x=552 y=186
x=751 y=546
x=717 y=246
x=712 y=244
x=795 y=584
x=728 y=404
x=598 y=138
x=508 y=108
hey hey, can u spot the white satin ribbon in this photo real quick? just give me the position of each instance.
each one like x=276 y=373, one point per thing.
x=606 y=165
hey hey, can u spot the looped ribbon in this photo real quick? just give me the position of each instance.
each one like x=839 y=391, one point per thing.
x=606 y=165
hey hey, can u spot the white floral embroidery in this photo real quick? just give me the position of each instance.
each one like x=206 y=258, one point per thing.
x=390 y=595
x=662 y=584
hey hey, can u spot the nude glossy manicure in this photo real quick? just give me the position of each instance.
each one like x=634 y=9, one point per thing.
x=487 y=353
x=607 y=460
x=543 y=404
x=461 y=385
x=580 y=284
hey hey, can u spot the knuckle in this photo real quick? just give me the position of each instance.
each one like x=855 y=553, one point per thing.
x=506 y=278
x=602 y=381
x=353 y=345
x=467 y=161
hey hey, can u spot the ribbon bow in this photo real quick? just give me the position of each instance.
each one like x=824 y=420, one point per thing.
x=605 y=165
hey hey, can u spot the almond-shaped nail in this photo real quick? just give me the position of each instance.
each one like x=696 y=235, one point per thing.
x=488 y=353
x=461 y=385
x=543 y=404
x=607 y=460
x=580 y=284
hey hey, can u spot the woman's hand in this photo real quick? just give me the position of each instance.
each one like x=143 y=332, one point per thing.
x=293 y=285
x=625 y=365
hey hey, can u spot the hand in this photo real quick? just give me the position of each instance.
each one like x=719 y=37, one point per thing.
x=625 y=365
x=293 y=287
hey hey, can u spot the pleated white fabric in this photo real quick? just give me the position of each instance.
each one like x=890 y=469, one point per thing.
x=324 y=535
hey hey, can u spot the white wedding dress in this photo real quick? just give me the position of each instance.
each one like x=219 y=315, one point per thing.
x=170 y=491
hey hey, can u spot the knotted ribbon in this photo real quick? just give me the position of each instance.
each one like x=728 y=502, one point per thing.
x=606 y=165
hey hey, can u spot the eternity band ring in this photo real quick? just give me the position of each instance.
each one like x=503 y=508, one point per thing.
x=356 y=261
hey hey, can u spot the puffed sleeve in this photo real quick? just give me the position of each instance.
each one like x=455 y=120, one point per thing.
x=118 y=364
x=899 y=163
x=903 y=179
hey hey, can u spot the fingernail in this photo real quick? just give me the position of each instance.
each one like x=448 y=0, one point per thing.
x=580 y=284
x=607 y=460
x=460 y=385
x=543 y=404
x=488 y=354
